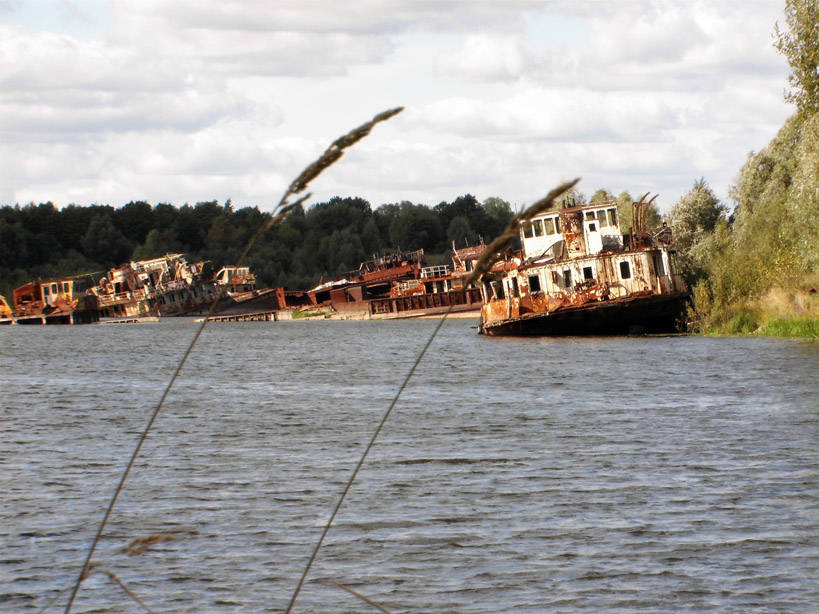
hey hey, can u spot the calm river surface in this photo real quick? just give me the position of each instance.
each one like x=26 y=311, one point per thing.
x=668 y=474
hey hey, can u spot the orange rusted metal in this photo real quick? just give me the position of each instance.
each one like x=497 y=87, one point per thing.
x=585 y=279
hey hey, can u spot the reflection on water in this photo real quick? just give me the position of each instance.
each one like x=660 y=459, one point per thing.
x=568 y=475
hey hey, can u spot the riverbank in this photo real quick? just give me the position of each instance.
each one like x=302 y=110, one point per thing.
x=778 y=313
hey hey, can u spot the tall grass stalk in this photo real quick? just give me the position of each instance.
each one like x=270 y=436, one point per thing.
x=331 y=155
x=484 y=264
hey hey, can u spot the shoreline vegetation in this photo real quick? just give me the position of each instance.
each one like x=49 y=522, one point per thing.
x=778 y=313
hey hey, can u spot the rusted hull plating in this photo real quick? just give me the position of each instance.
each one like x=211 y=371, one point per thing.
x=575 y=275
x=427 y=304
x=653 y=315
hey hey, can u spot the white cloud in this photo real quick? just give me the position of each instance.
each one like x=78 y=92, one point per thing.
x=484 y=58
x=190 y=100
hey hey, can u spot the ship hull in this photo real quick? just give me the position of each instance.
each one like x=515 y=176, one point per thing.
x=634 y=315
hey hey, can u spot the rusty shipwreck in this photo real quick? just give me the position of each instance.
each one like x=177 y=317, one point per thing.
x=138 y=290
x=401 y=285
x=576 y=274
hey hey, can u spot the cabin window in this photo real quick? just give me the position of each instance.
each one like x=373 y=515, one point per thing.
x=46 y=291
x=567 y=278
x=538 y=226
x=66 y=287
x=659 y=267
x=534 y=283
x=55 y=288
x=625 y=270
x=497 y=290
x=612 y=217
x=557 y=224
x=601 y=218
x=527 y=230
x=550 y=225
x=590 y=215
x=587 y=273
x=592 y=227
x=672 y=261
x=513 y=287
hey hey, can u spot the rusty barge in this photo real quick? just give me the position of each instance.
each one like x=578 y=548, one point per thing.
x=134 y=291
x=576 y=274
x=401 y=285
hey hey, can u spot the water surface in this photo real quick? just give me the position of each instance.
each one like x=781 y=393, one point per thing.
x=624 y=475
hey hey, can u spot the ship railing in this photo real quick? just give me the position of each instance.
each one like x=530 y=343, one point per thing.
x=434 y=271
x=106 y=300
x=407 y=285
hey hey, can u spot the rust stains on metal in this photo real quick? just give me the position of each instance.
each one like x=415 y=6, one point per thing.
x=577 y=274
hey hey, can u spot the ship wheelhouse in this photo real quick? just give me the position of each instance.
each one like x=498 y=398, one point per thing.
x=577 y=260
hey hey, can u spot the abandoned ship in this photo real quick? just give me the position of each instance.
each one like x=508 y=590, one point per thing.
x=576 y=274
x=164 y=286
x=400 y=285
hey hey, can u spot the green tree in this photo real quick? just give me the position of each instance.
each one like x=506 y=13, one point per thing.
x=625 y=208
x=155 y=246
x=104 y=244
x=468 y=208
x=500 y=213
x=776 y=230
x=384 y=216
x=601 y=195
x=695 y=216
x=134 y=220
x=460 y=232
x=165 y=216
x=417 y=227
x=799 y=43
x=13 y=245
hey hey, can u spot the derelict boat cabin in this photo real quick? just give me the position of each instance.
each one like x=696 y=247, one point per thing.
x=576 y=268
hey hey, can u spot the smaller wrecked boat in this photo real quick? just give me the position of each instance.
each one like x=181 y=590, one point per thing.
x=134 y=291
x=401 y=285
x=578 y=275
x=53 y=301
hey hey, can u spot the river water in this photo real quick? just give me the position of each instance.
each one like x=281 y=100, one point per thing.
x=621 y=475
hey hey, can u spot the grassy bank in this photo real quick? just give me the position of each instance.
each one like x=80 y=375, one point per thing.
x=779 y=313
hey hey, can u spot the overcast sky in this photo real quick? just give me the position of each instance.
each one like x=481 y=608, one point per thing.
x=108 y=101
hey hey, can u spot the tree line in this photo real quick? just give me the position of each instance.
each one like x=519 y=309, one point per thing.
x=756 y=265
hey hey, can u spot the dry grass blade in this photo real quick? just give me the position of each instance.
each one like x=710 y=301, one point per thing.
x=498 y=246
x=111 y=575
x=485 y=263
x=138 y=545
x=332 y=154
x=357 y=594
x=336 y=150
x=363 y=458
